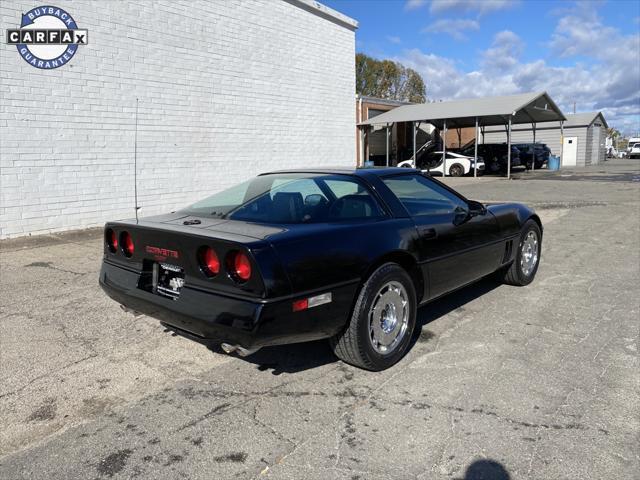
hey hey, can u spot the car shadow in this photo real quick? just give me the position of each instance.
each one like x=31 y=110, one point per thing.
x=293 y=358
x=455 y=300
x=450 y=302
x=486 y=469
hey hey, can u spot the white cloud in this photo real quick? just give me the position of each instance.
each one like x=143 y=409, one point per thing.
x=480 y=6
x=610 y=82
x=393 y=39
x=455 y=27
x=504 y=52
x=414 y=4
x=580 y=32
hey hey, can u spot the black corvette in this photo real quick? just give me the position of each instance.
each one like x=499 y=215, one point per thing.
x=295 y=256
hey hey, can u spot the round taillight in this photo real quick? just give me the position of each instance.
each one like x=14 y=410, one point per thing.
x=209 y=262
x=112 y=240
x=241 y=266
x=127 y=244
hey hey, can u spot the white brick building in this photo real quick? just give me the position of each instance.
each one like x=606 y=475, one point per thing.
x=226 y=89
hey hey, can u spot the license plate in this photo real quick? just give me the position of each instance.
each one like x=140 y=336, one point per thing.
x=167 y=280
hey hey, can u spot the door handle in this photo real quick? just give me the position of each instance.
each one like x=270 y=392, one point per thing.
x=427 y=232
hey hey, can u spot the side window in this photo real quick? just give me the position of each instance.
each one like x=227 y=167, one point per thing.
x=340 y=188
x=353 y=201
x=421 y=196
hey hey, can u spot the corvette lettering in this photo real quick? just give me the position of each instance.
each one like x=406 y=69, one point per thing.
x=161 y=252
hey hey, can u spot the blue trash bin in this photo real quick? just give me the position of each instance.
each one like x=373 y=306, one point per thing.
x=553 y=163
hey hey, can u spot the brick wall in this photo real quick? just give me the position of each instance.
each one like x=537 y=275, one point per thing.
x=226 y=89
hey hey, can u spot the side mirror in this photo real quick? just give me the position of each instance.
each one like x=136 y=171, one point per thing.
x=476 y=208
x=461 y=215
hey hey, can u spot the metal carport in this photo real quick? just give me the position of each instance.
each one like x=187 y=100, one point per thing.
x=531 y=108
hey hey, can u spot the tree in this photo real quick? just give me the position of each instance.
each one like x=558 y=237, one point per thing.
x=388 y=79
x=414 y=88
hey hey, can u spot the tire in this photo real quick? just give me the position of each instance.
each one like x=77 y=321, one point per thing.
x=456 y=170
x=355 y=345
x=517 y=274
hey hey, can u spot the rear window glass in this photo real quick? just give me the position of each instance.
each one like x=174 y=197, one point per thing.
x=292 y=198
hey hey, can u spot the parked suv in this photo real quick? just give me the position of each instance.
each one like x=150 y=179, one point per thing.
x=535 y=154
x=634 y=151
x=494 y=155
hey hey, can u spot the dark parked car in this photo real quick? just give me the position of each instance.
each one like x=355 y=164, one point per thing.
x=533 y=152
x=494 y=155
x=294 y=256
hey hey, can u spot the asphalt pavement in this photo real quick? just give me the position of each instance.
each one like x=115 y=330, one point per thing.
x=540 y=382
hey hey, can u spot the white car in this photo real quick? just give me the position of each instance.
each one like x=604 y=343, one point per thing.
x=457 y=164
x=634 y=150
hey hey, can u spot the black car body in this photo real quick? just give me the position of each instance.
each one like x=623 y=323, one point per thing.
x=317 y=248
x=494 y=155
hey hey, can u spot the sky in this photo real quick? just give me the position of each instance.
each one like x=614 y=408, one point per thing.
x=582 y=52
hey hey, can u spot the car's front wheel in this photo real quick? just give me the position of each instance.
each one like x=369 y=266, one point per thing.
x=382 y=321
x=525 y=265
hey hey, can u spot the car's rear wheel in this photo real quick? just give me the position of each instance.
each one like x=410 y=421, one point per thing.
x=525 y=264
x=456 y=170
x=382 y=321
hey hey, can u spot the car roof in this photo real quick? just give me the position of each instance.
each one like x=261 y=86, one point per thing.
x=357 y=171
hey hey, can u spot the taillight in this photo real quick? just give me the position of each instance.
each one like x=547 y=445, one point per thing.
x=127 y=244
x=112 y=240
x=300 y=305
x=239 y=266
x=306 y=303
x=209 y=262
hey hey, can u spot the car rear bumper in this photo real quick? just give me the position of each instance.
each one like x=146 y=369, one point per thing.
x=238 y=321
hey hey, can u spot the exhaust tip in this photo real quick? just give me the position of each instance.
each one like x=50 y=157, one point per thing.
x=243 y=352
x=228 y=348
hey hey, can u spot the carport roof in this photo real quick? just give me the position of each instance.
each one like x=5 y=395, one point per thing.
x=523 y=108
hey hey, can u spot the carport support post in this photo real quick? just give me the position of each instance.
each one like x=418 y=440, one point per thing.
x=444 y=150
x=387 y=135
x=475 y=153
x=415 y=157
x=509 y=149
x=533 y=162
x=362 y=149
x=561 y=142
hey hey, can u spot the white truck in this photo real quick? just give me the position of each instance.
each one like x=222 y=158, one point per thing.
x=633 y=147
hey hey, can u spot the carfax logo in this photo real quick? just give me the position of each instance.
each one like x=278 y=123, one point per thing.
x=48 y=37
